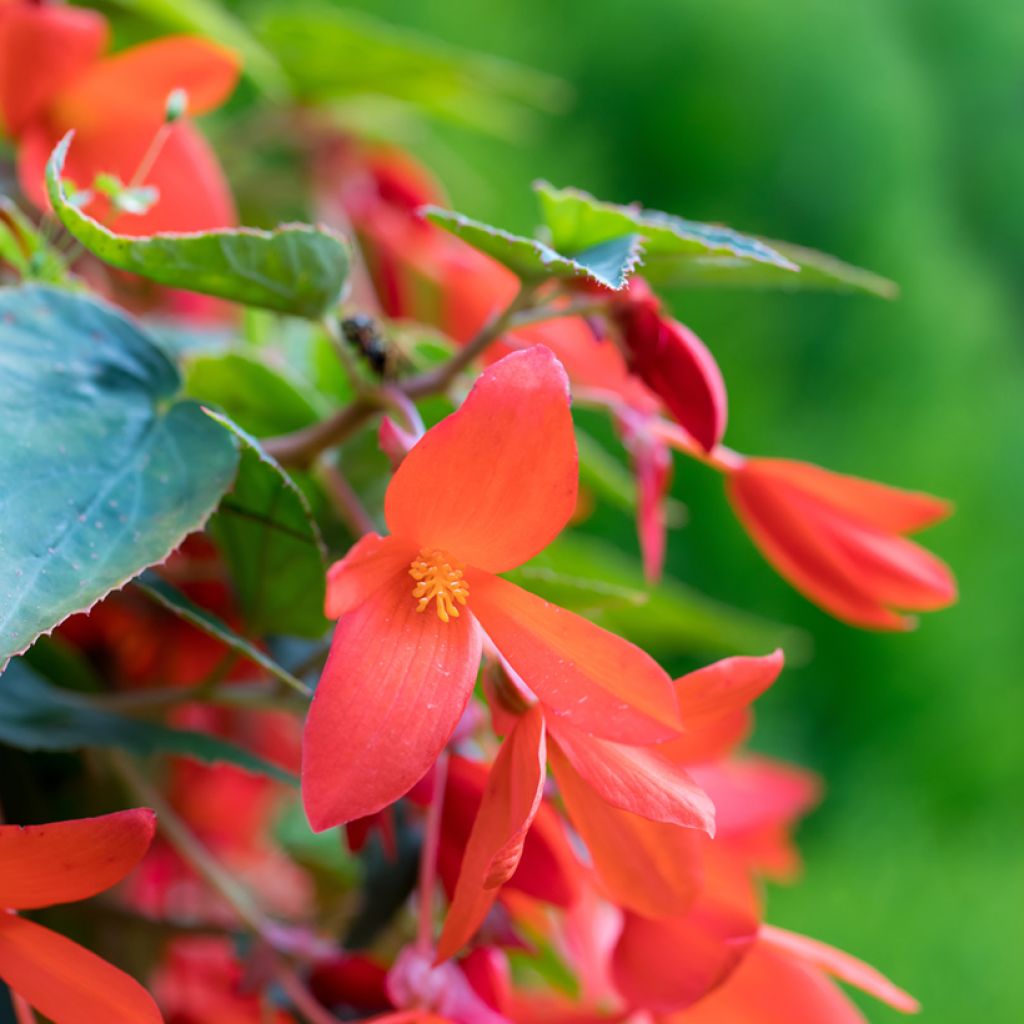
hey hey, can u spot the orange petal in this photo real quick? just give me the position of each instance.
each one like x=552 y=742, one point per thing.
x=70 y=860
x=194 y=195
x=67 y=983
x=369 y=564
x=495 y=482
x=514 y=789
x=645 y=866
x=637 y=779
x=43 y=49
x=840 y=965
x=593 y=679
x=132 y=87
x=393 y=689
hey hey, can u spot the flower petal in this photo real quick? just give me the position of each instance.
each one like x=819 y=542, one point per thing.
x=593 y=679
x=70 y=860
x=43 y=49
x=513 y=793
x=495 y=482
x=370 y=563
x=840 y=965
x=132 y=86
x=392 y=691
x=67 y=983
x=645 y=866
x=637 y=779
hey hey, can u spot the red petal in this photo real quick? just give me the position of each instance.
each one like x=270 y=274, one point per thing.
x=637 y=779
x=510 y=801
x=593 y=679
x=645 y=865
x=43 y=49
x=133 y=86
x=670 y=963
x=840 y=965
x=771 y=988
x=67 y=983
x=495 y=482
x=392 y=692
x=70 y=860
x=370 y=563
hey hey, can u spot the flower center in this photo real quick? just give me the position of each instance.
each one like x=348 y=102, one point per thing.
x=438 y=578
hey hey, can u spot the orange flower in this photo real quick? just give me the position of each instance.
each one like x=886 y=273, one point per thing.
x=69 y=860
x=53 y=78
x=839 y=540
x=483 y=491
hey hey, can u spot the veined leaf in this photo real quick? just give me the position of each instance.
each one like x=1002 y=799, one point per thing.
x=35 y=715
x=295 y=269
x=609 y=262
x=272 y=546
x=105 y=471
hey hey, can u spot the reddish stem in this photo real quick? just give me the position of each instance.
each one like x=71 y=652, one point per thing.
x=428 y=856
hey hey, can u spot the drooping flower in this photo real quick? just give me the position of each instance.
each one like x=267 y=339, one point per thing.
x=53 y=78
x=840 y=540
x=44 y=865
x=480 y=493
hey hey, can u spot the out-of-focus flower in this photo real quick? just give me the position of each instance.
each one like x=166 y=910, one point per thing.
x=53 y=78
x=840 y=540
x=480 y=493
x=63 y=862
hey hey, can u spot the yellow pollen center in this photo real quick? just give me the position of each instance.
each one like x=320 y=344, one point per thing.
x=438 y=578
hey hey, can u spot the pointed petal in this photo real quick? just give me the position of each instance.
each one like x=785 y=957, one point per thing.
x=370 y=563
x=888 y=508
x=70 y=860
x=132 y=86
x=392 y=691
x=637 y=779
x=645 y=866
x=514 y=789
x=583 y=674
x=669 y=963
x=43 y=49
x=67 y=983
x=840 y=965
x=771 y=988
x=495 y=482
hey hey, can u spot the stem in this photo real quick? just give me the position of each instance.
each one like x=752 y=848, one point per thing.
x=181 y=837
x=265 y=696
x=345 y=500
x=302 y=999
x=149 y=158
x=23 y=1013
x=428 y=856
x=303 y=446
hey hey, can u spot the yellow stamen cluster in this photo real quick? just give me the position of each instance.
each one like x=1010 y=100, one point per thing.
x=439 y=579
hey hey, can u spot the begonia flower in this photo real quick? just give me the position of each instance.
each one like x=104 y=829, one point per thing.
x=840 y=540
x=480 y=493
x=44 y=865
x=54 y=78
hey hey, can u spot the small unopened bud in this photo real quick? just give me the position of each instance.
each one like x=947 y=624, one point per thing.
x=177 y=106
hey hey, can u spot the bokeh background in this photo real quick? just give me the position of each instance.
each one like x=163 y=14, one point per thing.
x=891 y=134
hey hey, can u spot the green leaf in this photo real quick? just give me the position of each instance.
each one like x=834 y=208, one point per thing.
x=105 y=471
x=35 y=715
x=674 y=620
x=609 y=262
x=160 y=591
x=686 y=253
x=24 y=248
x=295 y=269
x=332 y=55
x=260 y=400
x=272 y=546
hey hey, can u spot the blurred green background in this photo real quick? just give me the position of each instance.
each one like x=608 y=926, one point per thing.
x=891 y=134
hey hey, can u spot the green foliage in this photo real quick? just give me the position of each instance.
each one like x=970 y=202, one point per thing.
x=105 y=471
x=295 y=269
x=609 y=262
x=25 y=250
x=272 y=546
x=34 y=715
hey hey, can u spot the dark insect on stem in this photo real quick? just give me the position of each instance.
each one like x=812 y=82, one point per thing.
x=363 y=334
